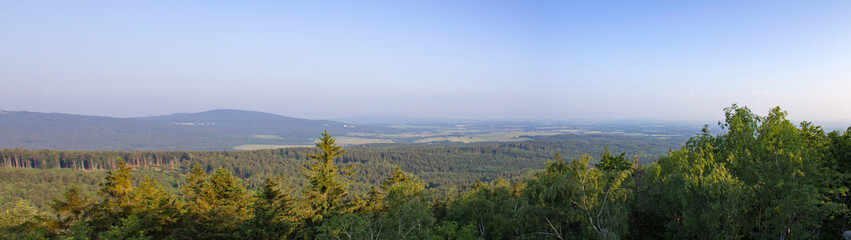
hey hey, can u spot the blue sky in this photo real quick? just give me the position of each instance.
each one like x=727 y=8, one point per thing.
x=665 y=60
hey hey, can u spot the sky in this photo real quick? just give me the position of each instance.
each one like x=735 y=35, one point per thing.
x=524 y=60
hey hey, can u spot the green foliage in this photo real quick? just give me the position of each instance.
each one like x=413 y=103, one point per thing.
x=494 y=211
x=447 y=168
x=451 y=231
x=130 y=228
x=400 y=210
x=72 y=207
x=113 y=200
x=761 y=178
x=571 y=200
x=275 y=213
x=839 y=159
x=346 y=226
x=22 y=222
x=612 y=163
x=215 y=205
x=407 y=209
x=157 y=211
x=326 y=190
x=702 y=199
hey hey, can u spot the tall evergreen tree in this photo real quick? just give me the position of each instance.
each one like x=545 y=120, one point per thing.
x=326 y=190
x=114 y=199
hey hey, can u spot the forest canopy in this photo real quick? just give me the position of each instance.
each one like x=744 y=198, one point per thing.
x=761 y=177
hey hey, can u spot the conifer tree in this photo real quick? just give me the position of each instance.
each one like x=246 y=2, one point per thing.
x=275 y=213
x=114 y=199
x=216 y=205
x=158 y=212
x=326 y=190
x=72 y=207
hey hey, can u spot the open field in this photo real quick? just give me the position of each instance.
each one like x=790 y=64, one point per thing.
x=356 y=141
x=272 y=137
x=514 y=131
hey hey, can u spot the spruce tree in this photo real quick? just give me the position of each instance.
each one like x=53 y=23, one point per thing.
x=113 y=199
x=326 y=190
x=275 y=213
x=72 y=207
x=216 y=205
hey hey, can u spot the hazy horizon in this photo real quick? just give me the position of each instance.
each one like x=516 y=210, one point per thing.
x=483 y=60
x=384 y=119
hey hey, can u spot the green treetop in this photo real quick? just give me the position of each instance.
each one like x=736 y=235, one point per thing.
x=613 y=163
x=326 y=190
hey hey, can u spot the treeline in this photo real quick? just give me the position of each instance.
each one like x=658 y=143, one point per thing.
x=446 y=169
x=419 y=154
x=761 y=178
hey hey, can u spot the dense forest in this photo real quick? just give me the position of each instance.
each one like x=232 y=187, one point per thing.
x=447 y=169
x=761 y=177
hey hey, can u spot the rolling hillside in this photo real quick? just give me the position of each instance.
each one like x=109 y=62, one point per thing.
x=211 y=130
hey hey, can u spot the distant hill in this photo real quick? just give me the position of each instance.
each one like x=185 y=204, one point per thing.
x=211 y=130
x=226 y=129
x=256 y=123
x=396 y=119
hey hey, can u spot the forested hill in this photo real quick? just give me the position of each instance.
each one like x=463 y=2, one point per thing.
x=242 y=122
x=211 y=130
x=247 y=130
